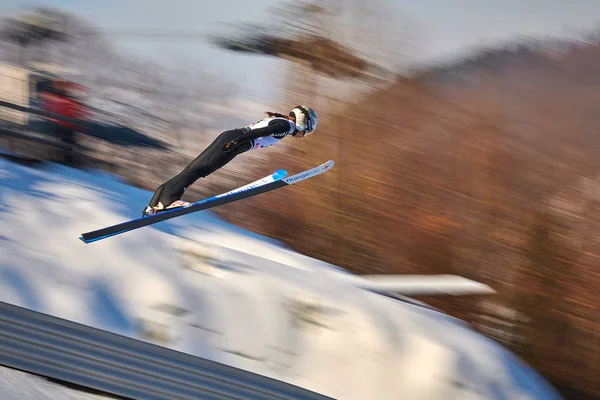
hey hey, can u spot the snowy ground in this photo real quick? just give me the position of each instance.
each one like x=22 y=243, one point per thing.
x=207 y=288
x=18 y=385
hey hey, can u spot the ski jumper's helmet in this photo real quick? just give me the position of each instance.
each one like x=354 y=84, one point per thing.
x=306 y=119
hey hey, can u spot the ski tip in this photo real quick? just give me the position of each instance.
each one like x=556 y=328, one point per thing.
x=309 y=173
x=326 y=166
x=87 y=241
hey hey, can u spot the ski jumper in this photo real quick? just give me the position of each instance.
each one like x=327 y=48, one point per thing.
x=263 y=133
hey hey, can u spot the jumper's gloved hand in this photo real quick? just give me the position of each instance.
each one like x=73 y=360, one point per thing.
x=229 y=146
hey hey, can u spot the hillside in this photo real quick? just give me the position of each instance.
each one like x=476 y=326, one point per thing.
x=487 y=168
x=201 y=286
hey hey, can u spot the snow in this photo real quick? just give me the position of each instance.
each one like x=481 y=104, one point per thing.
x=18 y=385
x=199 y=285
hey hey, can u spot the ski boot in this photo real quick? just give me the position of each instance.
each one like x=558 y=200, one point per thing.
x=178 y=204
x=159 y=207
x=148 y=211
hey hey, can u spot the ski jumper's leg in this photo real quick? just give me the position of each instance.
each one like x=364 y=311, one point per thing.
x=210 y=160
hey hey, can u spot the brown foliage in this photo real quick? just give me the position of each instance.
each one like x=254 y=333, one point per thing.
x=488 y=170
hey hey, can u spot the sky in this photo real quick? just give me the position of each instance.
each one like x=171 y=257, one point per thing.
x=448 y=26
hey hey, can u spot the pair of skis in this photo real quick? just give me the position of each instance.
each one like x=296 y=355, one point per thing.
x=273 y=181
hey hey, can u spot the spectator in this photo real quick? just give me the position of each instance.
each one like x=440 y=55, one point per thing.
x=61 y=99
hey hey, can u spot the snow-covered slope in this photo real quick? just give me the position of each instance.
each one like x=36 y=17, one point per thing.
x=199 y=285
x=18 y=385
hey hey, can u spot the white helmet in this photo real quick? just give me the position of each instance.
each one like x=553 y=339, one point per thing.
x=306 y=119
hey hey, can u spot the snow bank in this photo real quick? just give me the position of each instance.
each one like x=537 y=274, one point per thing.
x=199 y=285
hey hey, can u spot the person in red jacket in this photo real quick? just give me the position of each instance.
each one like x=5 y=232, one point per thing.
x=60 y=99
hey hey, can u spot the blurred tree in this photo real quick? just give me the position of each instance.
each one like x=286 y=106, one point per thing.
x=542 y=294
x=33 y=29
x=301 y=36
x=461 y=169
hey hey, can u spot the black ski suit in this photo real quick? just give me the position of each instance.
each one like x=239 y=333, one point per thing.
x=216 y=156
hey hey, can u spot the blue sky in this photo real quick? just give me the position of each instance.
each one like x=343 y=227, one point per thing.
x=449 y=26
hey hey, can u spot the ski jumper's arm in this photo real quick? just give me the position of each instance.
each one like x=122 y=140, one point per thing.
x=277 y=128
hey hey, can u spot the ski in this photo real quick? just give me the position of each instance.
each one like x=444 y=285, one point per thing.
x=271 y=182
x=164 y=215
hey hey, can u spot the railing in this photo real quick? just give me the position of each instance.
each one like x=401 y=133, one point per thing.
x=110 y=363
